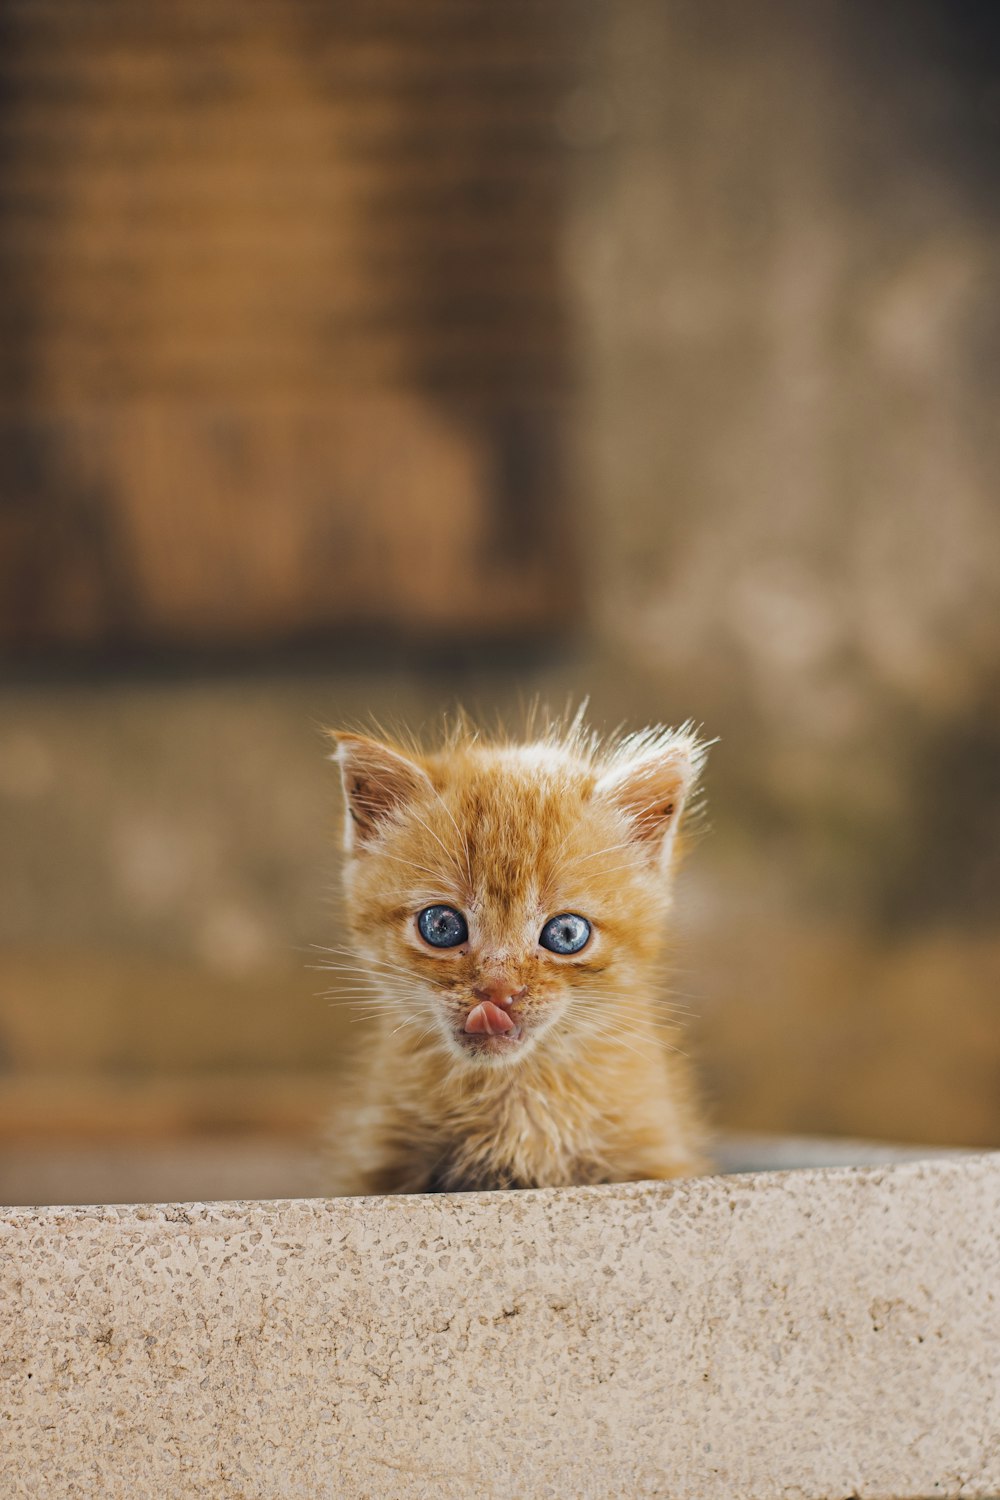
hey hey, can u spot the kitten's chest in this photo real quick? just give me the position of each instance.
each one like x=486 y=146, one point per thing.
x=522 y=1137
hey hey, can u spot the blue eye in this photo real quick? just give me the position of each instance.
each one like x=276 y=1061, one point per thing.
x=442 y=926
x=566 y=933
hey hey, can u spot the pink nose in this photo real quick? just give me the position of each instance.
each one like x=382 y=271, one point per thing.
x=500 y=992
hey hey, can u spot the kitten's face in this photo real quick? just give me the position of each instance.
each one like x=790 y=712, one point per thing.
x=503 y=895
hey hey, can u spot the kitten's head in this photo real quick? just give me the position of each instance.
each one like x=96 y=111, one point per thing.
x=505 y=894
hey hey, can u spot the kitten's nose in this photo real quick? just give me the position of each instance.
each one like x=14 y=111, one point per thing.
x=500 y=992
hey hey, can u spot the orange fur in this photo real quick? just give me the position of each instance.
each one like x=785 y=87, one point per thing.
x=590 y=1089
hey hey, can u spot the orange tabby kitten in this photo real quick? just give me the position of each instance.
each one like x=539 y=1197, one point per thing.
x=508 y=903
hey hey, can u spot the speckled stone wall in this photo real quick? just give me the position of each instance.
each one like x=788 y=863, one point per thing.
x=807 y=1334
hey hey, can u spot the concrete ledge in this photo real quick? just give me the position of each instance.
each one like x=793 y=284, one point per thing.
x=820 y=1333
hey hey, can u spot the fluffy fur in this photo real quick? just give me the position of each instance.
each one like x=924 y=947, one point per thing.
x=587 y=1087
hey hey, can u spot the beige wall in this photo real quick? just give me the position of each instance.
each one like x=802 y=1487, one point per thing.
x=784 y=256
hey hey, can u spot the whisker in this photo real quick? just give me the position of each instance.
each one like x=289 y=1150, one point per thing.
x=462 y=837
x=364 y=966
x=617 y=1031
x=357 y=955
x=582 y=859
x=412 y=864
x=448 y=853
x=615 y=1035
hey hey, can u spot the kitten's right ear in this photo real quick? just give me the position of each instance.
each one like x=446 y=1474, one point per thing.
x=377 y=782
x=650 y=780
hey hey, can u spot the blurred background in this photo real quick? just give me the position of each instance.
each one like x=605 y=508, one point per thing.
x=369 y=359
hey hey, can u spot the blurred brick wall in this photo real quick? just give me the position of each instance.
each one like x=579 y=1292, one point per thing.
x=266 y=269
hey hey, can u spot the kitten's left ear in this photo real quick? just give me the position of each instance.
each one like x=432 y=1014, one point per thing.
x=378 y=783
x=651 y=786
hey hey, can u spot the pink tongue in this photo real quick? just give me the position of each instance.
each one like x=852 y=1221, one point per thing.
x=488 y=1020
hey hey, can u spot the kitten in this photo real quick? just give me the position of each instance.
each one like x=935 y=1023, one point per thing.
x=507 y=904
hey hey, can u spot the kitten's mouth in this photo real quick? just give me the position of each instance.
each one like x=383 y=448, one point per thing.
x=490 y=1029
x=487 y=1019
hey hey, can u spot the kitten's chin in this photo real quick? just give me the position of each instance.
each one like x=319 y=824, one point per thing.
x=491 y=1051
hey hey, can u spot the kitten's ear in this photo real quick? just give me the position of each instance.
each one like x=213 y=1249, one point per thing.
x=378 y=782
x=651 y=786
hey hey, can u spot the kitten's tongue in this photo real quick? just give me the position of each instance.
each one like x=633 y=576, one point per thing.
x=488 y=1020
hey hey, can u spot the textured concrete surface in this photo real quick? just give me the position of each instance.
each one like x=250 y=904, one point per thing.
x=819 y=1333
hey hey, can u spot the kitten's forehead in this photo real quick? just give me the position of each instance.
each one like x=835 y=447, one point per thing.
x=543 y=760
x=517 y=808
x=518 y=797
